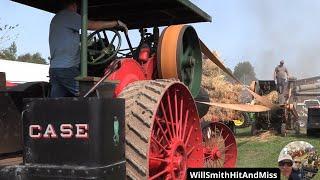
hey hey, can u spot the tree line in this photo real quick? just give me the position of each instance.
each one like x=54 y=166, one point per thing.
x=10 y=53
x=7 y=35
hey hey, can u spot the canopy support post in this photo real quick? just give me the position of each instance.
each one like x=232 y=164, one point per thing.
x=84 y=55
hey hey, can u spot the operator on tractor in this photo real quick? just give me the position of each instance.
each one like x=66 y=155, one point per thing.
x=64 y=42
x=280 y=76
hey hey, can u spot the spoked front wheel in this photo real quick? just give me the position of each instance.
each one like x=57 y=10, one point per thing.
x=220 y=148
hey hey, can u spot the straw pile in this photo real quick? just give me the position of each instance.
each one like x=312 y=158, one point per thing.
x=220 y=90
x=272 y=96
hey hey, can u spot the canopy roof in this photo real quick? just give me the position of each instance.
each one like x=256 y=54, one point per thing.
x=135 y=13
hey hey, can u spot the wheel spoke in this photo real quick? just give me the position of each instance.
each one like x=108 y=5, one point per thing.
x=176 y=113
x=166 y=119
x=105 y=36
x=220 y=135
x=227 y=147
x=215 y=131
x=158 y=143
x=171 y=115
x=159 y=174
x=113 y=38
x=215 y=164
x=220 y=138
x=98 y=58
x=101 y=41
x=220 y=165
x=156 y=133
x=158 y=159
x=213 y=137
x=162 y=137
x=190 y=151
x=224 y=139
x=181 y=118
x=227 y=154
x=163 y=132
x=187 y=140
x=95 y=39
x=185 y=124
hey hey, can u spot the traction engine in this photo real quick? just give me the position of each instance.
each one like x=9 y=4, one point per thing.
x=159 y=80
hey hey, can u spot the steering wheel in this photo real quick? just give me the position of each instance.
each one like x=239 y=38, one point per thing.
x=100 y=49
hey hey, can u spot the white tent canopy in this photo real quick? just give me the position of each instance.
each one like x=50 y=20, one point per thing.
x=20 y=72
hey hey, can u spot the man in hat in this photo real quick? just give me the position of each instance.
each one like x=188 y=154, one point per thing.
x=280 y=76
x=64 y=42
x=285 y=163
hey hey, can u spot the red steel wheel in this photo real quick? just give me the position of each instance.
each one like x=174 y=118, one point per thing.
x=220 y=147
x=163 y=132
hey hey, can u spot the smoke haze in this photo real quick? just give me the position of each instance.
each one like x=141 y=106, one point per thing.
x=288 y=30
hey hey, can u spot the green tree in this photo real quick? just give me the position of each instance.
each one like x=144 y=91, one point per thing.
x=32 y=58
x=9 y=53
x=244 y=71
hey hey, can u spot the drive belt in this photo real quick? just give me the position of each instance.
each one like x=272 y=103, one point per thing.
x=238 y=107
x=267 y=104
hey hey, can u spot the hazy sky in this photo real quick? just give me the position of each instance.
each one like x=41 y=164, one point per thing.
x=260 y=31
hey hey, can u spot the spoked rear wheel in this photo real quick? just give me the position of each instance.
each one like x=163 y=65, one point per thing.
x=163 y=133
x=220 y=148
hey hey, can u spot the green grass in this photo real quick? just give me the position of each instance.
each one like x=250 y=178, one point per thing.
x=264 y=152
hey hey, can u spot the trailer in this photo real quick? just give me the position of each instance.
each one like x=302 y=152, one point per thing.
x=313 y=122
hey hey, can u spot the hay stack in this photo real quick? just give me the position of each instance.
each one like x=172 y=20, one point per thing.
x=220 y=90
x=273 y=96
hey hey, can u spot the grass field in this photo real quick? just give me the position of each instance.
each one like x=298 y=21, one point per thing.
x=263 y=150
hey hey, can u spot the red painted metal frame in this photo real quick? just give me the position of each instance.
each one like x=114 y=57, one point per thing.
x=220 y=147
x=132 y=70
x=176 y=137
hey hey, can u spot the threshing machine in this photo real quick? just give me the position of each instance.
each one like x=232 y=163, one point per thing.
x=282 y=117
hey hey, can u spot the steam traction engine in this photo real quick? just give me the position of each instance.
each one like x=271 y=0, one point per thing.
x=136 y=116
